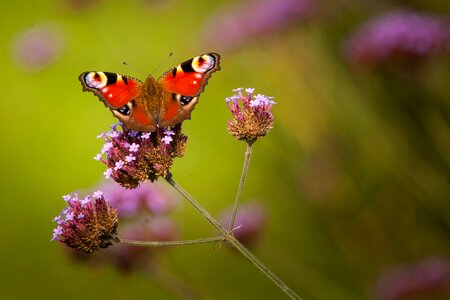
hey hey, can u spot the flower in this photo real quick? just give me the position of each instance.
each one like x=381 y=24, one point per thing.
x=249 y=224
x=252 y=118
x=133 y=147
x=397 y=37
x=426 y=277
x=144 y=214
x=133 y=157
x=87 y=224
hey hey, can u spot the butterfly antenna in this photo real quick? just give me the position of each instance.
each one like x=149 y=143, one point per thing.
x=134 y=68
x=160 y=64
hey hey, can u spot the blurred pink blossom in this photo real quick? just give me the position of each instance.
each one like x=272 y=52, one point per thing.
x=238 y=23
x=38 y=47
x=151 y=198
x=249 y=224
x=423 y=278
x=397 y=37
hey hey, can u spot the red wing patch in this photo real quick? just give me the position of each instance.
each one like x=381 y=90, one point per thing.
x=190 y=77
x=113 y=89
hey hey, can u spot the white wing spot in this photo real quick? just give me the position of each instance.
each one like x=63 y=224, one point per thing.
x=93 y=82
x=207 y=64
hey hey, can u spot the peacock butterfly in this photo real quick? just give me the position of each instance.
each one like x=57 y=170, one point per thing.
x=162 y=102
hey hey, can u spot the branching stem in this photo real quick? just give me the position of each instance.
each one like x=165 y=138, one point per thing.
x=233 y=241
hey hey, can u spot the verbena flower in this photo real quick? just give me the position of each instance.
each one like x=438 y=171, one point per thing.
x=249 y=224
x=144 y=216
x=86 y=224
x=398 y=37
x=133 y=157
x=252 y=118
x=418 y=280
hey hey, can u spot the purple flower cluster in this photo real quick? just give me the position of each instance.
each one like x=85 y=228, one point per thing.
x=242 y=22
x=133 y=157
x=252 y=118
x=401 y=36
x=144 y=216
x=86 y=224
x=420 y=279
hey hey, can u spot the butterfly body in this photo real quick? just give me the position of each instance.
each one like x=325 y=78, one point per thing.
x=162 y=102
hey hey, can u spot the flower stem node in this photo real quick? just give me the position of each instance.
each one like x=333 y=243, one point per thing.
x=252 y=118
x=87 y=224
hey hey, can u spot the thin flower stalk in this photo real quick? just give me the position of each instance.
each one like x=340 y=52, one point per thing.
x=234 y=242
x=248 y=155
x=171 y=243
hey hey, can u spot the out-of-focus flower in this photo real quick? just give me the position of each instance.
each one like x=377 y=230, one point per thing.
x=401 y=36
x=247 y=20
x=252 y=118
x=427 y=277
x=133 y=157
x=249 y=224
x=87 y=224
x=37 y=47
x=151 y=198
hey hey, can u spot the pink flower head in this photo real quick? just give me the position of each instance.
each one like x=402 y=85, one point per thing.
x=252 y=118
x=133 y=157
x=88 y=224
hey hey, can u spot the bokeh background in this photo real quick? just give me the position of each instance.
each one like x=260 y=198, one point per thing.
x=350 y=188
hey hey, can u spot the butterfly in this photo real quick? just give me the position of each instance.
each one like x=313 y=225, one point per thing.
x=163 y=102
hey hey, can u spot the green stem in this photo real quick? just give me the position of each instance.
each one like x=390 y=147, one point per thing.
x=171 y=243
x=248 y=155
x=234 y=242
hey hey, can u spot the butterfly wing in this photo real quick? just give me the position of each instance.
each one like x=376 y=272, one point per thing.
x=183 y=85
x=123 y=96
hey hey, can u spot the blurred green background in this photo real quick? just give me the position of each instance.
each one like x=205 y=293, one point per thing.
x=354 y=177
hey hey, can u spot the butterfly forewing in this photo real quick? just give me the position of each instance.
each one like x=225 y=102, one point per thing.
x=113 y=89
x=190 y=77
x=185 y=82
